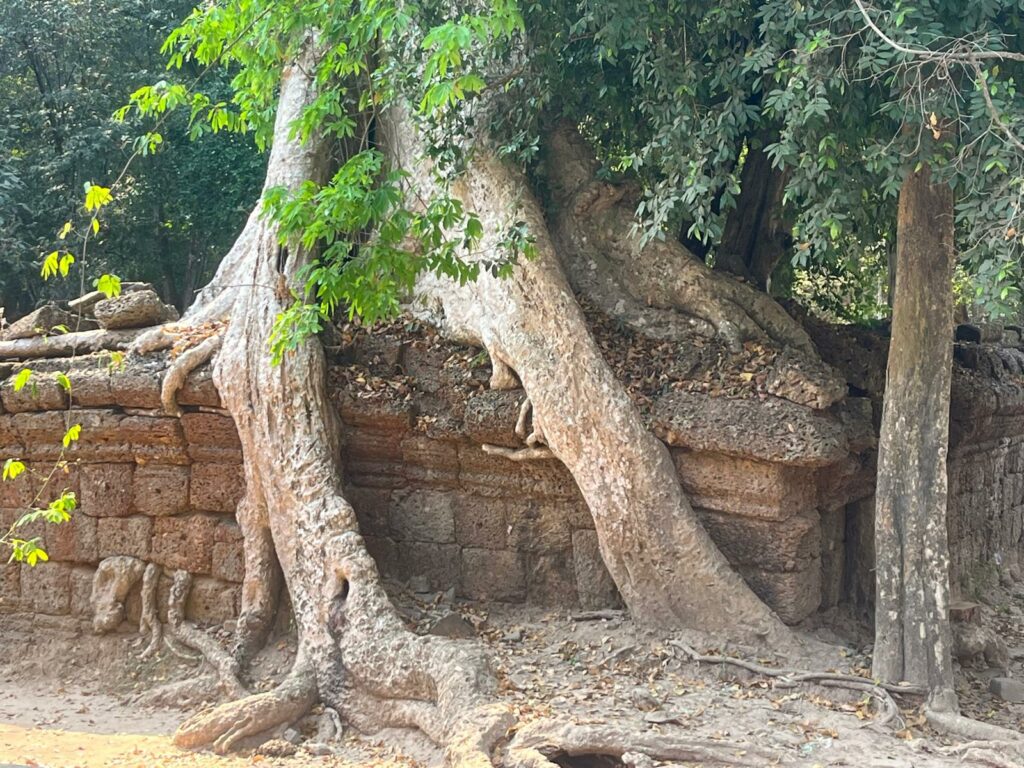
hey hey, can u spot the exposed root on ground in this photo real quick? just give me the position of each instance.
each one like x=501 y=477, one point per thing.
x=955 y=724
x=149 y=622
x=225 y=725
x=791 y=678
x=541 y=743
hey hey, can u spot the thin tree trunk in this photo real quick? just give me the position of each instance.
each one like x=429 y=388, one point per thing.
x=912 y=634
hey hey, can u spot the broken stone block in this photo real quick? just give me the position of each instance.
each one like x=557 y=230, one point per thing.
x=44 y=320
x=1007 y=689
x=454 y=626
x=211 y=437
x=139 y=309
x=805 y=380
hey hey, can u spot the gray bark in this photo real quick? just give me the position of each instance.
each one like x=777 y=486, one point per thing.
x=912 y=634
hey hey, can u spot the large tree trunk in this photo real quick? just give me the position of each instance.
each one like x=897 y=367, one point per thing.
x=912 y=634
x=664 y=563
x=353 y=650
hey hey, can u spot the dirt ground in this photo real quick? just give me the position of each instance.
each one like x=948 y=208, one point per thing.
x=69 y=699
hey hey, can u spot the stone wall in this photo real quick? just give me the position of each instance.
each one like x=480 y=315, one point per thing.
x=149 y=486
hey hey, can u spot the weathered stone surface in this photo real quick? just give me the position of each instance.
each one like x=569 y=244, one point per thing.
x=454 y=626
x=10 y=587
x=491 y=416
x=211 y=437
x=539 y=527
x=384 y=552
x=161 y=489
x=228 y=561
x=594 y=585
x=124 y=536
x=1007 y=689
x=185 y=542
x=423 y=516
x=107 y=436
x=81 y=579
x=199 y=389
x=551 y=578
x=216 y=487
x=74 y=541
x=46 y=588
x=114 y=579
x=804 y=380
x=772 y=430
x=438 y=563
x=107 y=489
x=212 y=601
x=493 y=574
x=41 y=393
x=739 y=486
x=481 y=522
x=790 y=545
x=44 y=320
x=794 y=596
x=373 y=509
x=138 y=309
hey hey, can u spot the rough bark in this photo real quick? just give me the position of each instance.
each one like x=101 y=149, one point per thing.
x=912 y=634
x=667 y=568
x=757 y=233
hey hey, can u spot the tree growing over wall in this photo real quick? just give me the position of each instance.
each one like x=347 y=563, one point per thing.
x=487 y=167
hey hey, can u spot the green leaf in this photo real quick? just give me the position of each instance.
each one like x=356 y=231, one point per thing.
x=13 y=468
x=51 y=265
x=109 y=285
x=96 y=197
x=22 y=379
x=72 y=434
x=65 y=263
x=63 y=380
x=65 y=230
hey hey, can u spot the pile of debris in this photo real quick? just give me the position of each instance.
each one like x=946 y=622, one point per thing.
x=90 y=323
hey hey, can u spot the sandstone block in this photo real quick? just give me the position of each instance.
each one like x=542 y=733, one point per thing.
x=422 y=515
x=10 y=587
x=493 y=574
x=537 y=526
x=199 y=389
x=551 y=579
x=793 y=596
x=211 y=437
x=439 y=564
x=212 y=601
x=1007 y=689
x=42 y=393
x=228 y=531
x=384 y=552
x=75 y=541
x=594 y=585
x=107 y=437
x=372 y=507
x=216 y=487
x=107 y=489
x=422 y=451
x=768 y=545
x=228 y=561
x=81 y=579
x=43 y=321
x=185 y=542
x=161 y=489
x=124 y=536
x=481 y=522
x=46 y=588
x=137 y=386
x=139 y=309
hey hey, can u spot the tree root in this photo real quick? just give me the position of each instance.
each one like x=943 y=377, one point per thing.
x=224 y=663
x=149 y=623
x=226 y=725
x=180 y=369
x=955 y=724
x=518 y=454
x=538 y=744
x=791 y=678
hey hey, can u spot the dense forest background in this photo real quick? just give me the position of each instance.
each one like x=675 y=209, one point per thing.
x=65 y=68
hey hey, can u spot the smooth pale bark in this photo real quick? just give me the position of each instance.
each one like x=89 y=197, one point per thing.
x=912 y=633
x=666 y=566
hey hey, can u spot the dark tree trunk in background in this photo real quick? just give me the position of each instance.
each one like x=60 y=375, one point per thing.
x=757 y=233
x=912 y=633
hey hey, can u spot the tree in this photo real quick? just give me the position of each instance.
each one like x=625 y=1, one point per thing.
x=419 y=152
